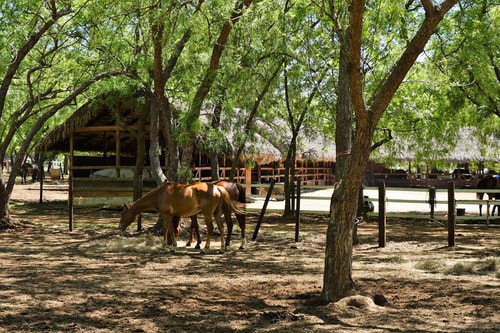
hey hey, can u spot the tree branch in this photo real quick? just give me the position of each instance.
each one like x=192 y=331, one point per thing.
x=24 y=50
x=356 y=10
x=384 y=93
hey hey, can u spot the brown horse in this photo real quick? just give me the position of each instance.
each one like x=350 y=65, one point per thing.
x=488 y=182
x=172 y=199
x=236 y=193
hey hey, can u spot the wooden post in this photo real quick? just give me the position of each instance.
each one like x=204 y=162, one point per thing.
x=488 y=212
x=451 y=214
x=297 y=213
x=263 y=211
x=432 y=200
x=248 y=178
x=70 y=186
x=382 y=218
x=118 y=153
x=42 y=176
x=139 y=194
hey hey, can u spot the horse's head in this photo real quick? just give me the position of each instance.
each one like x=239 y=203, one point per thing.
x=127 y=217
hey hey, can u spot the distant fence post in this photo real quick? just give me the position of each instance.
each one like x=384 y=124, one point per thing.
x=432 y=200
x=297 y=213
x=451 y=214
x=382 y=218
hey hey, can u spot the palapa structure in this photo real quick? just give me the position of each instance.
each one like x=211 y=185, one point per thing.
x=102 y=135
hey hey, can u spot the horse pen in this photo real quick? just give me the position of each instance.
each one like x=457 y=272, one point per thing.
x=95 y=279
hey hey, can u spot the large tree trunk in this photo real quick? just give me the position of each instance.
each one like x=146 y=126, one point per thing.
x=337 y=279
x=338 y=257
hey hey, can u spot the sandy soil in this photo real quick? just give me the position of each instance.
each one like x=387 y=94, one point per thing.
x=95 y=280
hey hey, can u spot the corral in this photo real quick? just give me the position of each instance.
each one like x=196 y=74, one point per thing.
x=93 y=279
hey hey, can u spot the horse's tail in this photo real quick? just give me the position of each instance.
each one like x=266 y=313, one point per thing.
x=226 y=197
x=242 y=196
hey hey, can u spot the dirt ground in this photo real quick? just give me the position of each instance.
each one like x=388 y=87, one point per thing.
x=95 y=280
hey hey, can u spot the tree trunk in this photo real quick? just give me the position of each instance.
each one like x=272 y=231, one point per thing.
x=5 y=221
x=338 y=257
x=214 y=156
x=290 y=175
x=154 y=145
x=205 y=86
x=337 y=279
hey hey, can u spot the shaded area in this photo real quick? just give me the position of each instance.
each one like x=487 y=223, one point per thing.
x=94 y=279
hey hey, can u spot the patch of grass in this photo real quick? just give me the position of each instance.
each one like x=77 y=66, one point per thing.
x=93 y=226
x=144 y=244
x=396 y=259
x=430 y=265
x=460 y=269
x=480 y=267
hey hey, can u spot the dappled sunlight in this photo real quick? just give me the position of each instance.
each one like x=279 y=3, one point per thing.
x=96 y=276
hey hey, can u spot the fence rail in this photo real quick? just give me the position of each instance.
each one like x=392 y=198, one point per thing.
x=401 y=202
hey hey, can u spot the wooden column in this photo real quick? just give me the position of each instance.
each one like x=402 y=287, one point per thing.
x=382 y=218
x=451 y=214
x=70 y=180
x=248 y=178
x=297 y=213
x=118 y=153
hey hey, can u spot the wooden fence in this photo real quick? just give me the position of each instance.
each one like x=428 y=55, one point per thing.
x=449 y=215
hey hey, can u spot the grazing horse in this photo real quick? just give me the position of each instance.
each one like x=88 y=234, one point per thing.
x=236 y=193
x=488 y=182
x=171 y=199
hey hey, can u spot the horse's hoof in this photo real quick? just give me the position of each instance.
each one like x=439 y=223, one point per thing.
x=242 y=247
x=197 y=246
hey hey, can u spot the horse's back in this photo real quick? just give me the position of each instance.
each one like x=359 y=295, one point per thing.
x=235 y=190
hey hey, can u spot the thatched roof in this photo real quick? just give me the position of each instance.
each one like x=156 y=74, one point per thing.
x=103 y=112
x=468 y=146
x=111 y=110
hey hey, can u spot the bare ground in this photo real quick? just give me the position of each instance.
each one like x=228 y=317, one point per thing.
x=95 y=280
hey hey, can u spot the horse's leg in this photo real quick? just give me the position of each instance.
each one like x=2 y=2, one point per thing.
x=210 y=229
x=191 y=232
x=197 y=231
x=168 y=229
x=220 y=225
x=479 y=196
x=194 y=228
x=242 y=223
x=176 y=227
x=229 y=223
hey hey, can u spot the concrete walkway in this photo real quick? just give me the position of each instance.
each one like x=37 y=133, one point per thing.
x=319 y=201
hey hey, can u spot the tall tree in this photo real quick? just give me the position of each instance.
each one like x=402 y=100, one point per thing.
x=44 y=75
x=337 y=280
